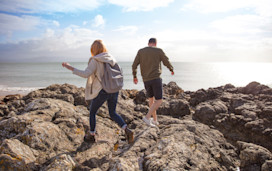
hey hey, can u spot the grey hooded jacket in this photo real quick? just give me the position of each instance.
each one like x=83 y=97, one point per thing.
x=94 y=72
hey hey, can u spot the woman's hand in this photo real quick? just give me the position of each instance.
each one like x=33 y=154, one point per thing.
x=68 y=66
x=135 y=80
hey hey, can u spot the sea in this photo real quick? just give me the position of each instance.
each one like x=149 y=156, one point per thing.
x=25 y=77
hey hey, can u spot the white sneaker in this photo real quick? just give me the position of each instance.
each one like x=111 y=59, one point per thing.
x=154 y=122
x=148 y=122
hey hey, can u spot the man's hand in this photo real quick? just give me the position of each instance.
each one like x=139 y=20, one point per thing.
x=135 y=80
x=68 y=66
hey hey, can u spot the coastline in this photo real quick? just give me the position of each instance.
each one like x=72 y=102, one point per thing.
x=188 y=76
x=5 y=91
x=3 y=94
x=25 y=90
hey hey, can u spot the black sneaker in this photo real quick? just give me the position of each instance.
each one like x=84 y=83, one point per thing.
x=89 y=138
x=129 y=135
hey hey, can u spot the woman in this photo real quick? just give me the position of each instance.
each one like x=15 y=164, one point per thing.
x=94 y=91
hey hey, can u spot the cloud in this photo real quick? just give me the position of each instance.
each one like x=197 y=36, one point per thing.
x=208 y=46
x=99 y=21
x=244 y=36
x=10 y=23
x=130 y=30
x=242 y=24
x=261 y=7
x=213 y=6
x=71 y=37
x=56 y=23
x=140 y=5
x=72 y=43
x=49 y=6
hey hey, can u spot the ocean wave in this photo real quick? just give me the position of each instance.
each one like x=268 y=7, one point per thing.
x=6 y=90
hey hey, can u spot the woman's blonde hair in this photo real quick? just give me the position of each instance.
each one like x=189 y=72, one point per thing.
x=98 y=47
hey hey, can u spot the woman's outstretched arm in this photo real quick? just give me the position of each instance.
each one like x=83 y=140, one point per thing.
x=68 y=66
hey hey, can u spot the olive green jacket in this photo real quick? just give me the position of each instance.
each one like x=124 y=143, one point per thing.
x=150 y=59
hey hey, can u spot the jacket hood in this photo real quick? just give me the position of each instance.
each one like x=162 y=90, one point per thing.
x=106 y=58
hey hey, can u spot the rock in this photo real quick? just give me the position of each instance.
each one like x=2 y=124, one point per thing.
x=207 y=111
x=242 y=117
x=79 y=98
x=11 y=103
x=172 y=89
x=141 y=98
x=229 y=87
x=4 y=110
x=18 y=154
x=10 y=163
x=13 y=126
x=131 y=158
x=175 y=107
x=46 y=137
x=253 y=156
x=12 y=97
x=267 y=166
x=141 y=108
x=186 y=146
x=95 y=156
x=204 y=95
x=128 y=93
x=266 y=111
x=66 y=92
x=126 y=108
x=45 y=130
x=238 y=104
x=256 y=88
x=62 y=162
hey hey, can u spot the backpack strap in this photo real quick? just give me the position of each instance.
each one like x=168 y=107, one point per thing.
x=96 y=70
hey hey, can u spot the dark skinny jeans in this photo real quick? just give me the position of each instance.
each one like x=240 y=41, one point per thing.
x=97 y=102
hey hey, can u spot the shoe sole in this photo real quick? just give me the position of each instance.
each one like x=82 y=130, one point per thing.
x=149 y=124
x=130 y=138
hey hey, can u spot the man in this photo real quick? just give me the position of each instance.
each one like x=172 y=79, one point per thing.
x=150 y=59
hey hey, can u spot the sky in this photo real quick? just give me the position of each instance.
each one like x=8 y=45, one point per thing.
x=187 y=30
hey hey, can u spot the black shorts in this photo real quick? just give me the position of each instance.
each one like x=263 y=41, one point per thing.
x=154 y=88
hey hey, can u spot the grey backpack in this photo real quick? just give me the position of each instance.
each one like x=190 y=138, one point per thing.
x=112 y=80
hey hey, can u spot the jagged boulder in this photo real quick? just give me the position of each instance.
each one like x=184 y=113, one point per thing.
x=204 y=95
x=240 y=117
x=141 y=98
x=190 y=146
x=61 y=162
x=175 y=107
x=172 y=89
x=256 y=88
x=65 y=92
x=16 y=155
x=254 y=157
x=207 y=111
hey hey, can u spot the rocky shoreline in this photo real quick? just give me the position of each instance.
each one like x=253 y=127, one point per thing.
x=223 y=128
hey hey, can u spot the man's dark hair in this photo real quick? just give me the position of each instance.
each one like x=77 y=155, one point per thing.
x=152 y=40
